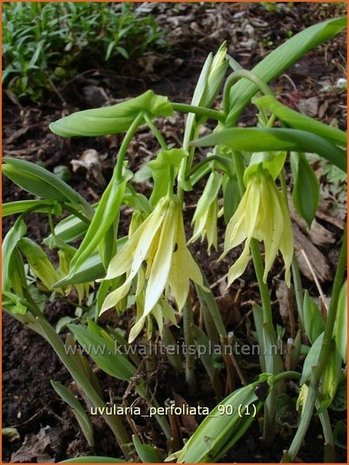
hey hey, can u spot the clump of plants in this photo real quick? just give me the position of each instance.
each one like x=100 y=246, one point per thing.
x=44 y=43
x=153 y=272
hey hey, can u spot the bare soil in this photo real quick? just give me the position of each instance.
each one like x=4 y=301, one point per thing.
x=47 y=428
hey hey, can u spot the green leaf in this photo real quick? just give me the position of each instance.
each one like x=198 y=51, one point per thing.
x=39 y=206
x=207 y=358
x=330 y=379
x=9 y=244
x=340 y=328
x=272 y=139
x=311 y=359
x=103 y=218
x=313 y=322
x=39 y=263
x=270 y=161
x=220 y=430
x=89 y=271
x=146 y=452
x=13 y=303
x=111 y=120
x=279 y=60
x=306 y=188
x=103 y=353
x=231 y=195
x=41 y=182
x=163 y=169
x=68 y=230
x=298 y=121
x=78 y=410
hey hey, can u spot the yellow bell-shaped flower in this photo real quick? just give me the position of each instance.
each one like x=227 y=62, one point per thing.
x=263 y=215
x=159 y=242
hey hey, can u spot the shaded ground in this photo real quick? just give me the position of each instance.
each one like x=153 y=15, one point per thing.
x=48 y=430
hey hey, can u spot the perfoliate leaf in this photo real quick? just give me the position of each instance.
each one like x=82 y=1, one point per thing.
x=340 y=328
x=41 y=182
x=271 y=161
x=280 y=59
x=103 y=218
x=111 y=120
x=306 y=188
x=313 y=322
x=298 y=121
x=275 y=139
x=164 y=168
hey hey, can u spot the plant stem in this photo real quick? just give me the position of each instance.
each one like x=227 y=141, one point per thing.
x=223 y=161
x=43 y=327
x=235 y=76
x=125 y=143
x=200 y=111
x=189 y=341
x=156 y=132
x=325 y=350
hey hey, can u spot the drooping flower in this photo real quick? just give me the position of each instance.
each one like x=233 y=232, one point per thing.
x=263 y=215
x=206 y=213
x=157 y=249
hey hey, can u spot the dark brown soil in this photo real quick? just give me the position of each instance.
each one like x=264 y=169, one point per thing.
x=29 y=403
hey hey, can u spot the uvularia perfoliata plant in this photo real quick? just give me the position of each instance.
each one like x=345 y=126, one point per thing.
x=152 y=269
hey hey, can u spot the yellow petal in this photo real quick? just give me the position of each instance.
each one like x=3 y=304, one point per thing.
x=114 y=297
x=162 y=261
x=237 y=269
x=272 y=225
x=183 y=269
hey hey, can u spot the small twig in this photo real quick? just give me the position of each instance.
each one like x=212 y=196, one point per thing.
x=317 y=283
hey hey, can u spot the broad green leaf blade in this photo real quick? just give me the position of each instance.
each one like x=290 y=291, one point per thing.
x=103 y=353
x=39 y=262
x=78 y=410
x=313 y=322
x=206 y=358
x=9 y=244
x=39 y=206
x=279 y=60
x=41 y=182
x=68 y=230
x=111 y=120
x=306 y=188
x=146 y=452
x=340 y=329
x=311 y=359
x=271 y=139
x=298 y=121
x=222 y=427
x=103 y=218
x=163 y=169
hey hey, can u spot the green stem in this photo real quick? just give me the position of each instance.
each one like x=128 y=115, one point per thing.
x=324 y=354
x=223 y=161
x=114 y=422
x=189 y=341
x=200 y=111
x=286 y=375
x=297 y=282
x=235 y=76
x=125 y=143
x=156 y=132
